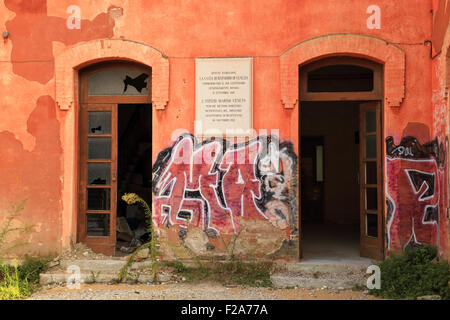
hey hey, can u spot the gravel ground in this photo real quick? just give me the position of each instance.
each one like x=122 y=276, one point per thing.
x=189 y=291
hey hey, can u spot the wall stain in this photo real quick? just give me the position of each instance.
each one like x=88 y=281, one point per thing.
x=32 y=49
x=35 y=174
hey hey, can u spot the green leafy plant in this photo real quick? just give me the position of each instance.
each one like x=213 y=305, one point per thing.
x=32 y=267
x=133 y=277
x=177 y=265
x=18 y=282
x=130 y=199
x=94 y=276
x=416 y=272
x=12 y=231
x=12 y=286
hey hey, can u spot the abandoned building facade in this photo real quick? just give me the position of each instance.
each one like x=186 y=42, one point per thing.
x=273 y=129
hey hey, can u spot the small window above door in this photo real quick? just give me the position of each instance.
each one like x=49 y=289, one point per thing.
x=341 y=78
x=116 y=82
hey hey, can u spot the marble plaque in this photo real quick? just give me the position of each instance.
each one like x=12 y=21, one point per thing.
x=224 y=96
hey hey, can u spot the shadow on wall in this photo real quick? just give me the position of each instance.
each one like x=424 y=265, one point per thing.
x=35 y=175
x=416 y=169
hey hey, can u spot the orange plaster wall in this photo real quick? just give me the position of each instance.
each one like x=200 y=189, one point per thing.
x=183 y=30
x=440 y=101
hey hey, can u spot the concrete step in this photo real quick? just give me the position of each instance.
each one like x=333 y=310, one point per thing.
x=102 y=265
x=101 y=271
x=85 y=277
x=291 y=281
x=313 y=275
x=302 y=268
x=102 y=277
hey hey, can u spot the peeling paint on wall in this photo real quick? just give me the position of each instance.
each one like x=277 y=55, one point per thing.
x=35 y=175
x=32 y=41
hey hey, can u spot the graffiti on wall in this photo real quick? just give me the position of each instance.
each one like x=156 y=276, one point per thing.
x=214 y=184
x=413 y=190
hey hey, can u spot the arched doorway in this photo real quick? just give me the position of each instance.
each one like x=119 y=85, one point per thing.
x=341 y=159
x=115 y=135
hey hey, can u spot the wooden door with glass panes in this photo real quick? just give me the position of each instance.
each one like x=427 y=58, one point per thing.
x=371 y=191
x=102 y=88
x=98 y=171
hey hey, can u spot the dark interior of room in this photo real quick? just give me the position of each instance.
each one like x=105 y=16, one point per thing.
x=134 y=173
x=329 y=179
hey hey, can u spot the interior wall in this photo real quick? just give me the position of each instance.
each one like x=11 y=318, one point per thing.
x=337 y=122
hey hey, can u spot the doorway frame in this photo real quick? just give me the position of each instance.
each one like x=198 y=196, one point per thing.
x=376 y=95
x=86 y=100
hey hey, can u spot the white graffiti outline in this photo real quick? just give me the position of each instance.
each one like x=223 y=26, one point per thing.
x=413 y=236
x=421 y=197
x=163 y=185
x=254 y=179
x=394 y=207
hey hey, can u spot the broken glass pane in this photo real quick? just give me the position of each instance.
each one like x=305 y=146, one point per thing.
x=118 y=82
x=99 y=122
x=99 y=173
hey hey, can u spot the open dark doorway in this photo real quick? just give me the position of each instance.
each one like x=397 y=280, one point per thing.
x=340 y=118
x=134 y=174
x=115 y=127
x=329 y=180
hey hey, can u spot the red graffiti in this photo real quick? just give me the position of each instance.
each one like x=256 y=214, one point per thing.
x=413 y=188
x=212 y=187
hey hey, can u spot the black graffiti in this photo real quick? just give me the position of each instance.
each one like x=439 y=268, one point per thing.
x=431 y=214
x=418 y=179
x=410 y=148
x=389 y=215
x=139 y=82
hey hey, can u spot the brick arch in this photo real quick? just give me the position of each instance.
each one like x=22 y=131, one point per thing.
x=70 y=61
x=368 y=47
